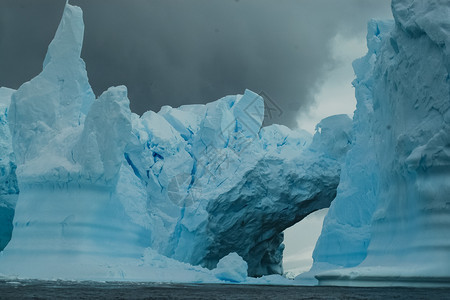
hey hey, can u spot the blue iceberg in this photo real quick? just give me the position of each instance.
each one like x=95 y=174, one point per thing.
x=389 y=224
x=106 y=194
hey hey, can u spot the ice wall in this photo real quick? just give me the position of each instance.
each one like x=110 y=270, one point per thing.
x=346 y=229
x=410 y=229
x=9 y=189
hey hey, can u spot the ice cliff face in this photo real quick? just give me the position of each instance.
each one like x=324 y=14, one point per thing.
x=346 y=229
x=100 y=186
x=404 y=85
x=9 y=189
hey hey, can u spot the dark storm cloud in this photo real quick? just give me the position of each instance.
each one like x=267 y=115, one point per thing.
x=180 y=52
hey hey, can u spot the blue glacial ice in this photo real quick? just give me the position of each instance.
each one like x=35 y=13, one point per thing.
x=346 y=229
x=213 y=184
x=202 y=193
x=231 y=268
x=106 y=194
x=9 y=189
x=390 y=222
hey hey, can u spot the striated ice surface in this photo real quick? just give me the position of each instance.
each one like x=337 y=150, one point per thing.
x=9 y=189
x=109 y=195
x=346 y=229
x=406 y=241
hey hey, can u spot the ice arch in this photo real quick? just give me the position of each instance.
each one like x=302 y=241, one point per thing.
x=98 y=183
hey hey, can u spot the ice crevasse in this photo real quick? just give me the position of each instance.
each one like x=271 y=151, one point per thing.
x=390 y=221
x=107 y=194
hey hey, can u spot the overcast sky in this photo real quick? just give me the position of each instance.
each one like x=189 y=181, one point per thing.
x=194 y=51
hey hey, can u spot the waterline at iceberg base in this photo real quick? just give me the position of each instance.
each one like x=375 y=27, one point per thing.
x=199 y=193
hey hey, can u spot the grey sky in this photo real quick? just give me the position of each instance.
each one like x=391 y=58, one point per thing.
x=180 y=52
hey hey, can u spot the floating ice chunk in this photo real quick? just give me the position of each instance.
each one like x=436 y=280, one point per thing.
x=231 y=268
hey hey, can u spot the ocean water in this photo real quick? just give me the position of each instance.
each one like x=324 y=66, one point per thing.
x=34 y=289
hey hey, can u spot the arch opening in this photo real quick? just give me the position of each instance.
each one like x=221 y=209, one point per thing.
x=300 y=240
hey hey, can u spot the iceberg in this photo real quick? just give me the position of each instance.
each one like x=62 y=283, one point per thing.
x=203 y=193
x=389 y=224
x=9 y=189
x=68 y=150
x=106 y=194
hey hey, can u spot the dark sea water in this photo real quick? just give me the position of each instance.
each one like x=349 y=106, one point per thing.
x=116 y=290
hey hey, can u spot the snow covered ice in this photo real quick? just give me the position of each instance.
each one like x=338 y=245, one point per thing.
x=108 y=195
